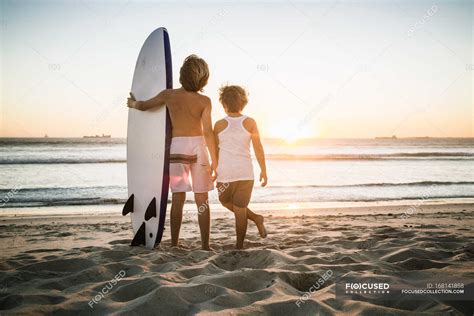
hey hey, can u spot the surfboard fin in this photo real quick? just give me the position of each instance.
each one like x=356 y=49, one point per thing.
x=139 y=238
x=128 y=207
x=151 y=210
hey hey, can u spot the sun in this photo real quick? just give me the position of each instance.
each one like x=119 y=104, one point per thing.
x=291 y=131
x=291 y=137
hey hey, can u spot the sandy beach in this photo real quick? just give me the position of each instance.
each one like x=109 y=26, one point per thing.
x=83 y=264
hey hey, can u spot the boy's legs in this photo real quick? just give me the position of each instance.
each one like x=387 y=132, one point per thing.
x=204 y=218
x=240 y=225
x=236 y=196
x=202 y=184
x=180 y=160
x=250 y=215
x=176 y=217
x=256 y=218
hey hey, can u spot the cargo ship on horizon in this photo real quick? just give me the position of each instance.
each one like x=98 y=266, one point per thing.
x=98 y=136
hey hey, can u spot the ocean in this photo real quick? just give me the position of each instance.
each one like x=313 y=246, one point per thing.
x=55 y=172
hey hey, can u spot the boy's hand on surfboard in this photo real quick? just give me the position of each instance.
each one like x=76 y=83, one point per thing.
x=131 y=101
x=263 y=178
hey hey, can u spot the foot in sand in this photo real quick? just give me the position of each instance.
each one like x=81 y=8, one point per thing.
x=261 y=228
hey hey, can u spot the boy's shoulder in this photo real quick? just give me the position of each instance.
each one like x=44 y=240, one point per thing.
x=249 y=119
x=203 y=100
x=182 y=92
x=249 y=124
x=219 y=125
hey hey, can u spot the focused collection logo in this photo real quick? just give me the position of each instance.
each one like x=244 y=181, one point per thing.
x=373 y=287
x=367 y=288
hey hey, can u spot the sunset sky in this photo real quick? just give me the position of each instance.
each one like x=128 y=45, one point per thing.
x=312 y=69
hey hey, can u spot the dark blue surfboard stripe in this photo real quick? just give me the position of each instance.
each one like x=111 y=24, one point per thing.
x=166 y=165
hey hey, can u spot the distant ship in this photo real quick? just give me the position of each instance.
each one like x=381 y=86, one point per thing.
x=393 y=137
x=98 y=136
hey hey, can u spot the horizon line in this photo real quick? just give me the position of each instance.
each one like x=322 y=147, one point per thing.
x=263 y=137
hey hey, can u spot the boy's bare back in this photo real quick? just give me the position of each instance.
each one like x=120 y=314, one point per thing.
x=186 y=111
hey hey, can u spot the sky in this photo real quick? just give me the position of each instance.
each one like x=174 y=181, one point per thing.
x=331 y=69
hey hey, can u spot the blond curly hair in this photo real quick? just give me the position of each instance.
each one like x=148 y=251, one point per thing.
x=233 y=98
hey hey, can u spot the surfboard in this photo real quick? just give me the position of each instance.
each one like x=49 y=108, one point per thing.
x=148 y=143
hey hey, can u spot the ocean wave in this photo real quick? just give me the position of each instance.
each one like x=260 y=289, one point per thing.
x=52 y=196
x=27 y=142
x=62 y=202
x=65 y=189
x=395 y=156
x=116 y=188
x=48 y=161
x=101 y=195
x=381 y=184
x=112 y=201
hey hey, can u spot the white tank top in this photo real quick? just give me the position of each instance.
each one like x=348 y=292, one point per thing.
x=235 y=162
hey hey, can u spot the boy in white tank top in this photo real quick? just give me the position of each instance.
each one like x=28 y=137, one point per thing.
x=235 y=176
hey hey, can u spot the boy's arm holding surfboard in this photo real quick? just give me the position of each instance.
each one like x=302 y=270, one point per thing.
x=158 y=100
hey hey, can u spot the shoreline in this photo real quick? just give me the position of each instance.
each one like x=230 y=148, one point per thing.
x=314 y=207
x=99 y=225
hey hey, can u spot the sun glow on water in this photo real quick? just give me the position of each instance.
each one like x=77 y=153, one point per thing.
x=293 y=206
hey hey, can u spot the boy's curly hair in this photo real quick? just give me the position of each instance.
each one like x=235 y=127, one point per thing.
x=233 y=98
x=194 y=73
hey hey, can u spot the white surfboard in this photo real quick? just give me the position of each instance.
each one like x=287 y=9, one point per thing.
x=148 y=141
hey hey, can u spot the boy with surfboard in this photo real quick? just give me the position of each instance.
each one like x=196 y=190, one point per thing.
x=191 y=122
x=235 y=176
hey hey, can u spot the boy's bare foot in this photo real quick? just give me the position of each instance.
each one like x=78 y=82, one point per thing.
x=207 y=248
x=261 y=228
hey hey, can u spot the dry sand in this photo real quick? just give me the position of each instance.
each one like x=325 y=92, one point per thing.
x=60 y=264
